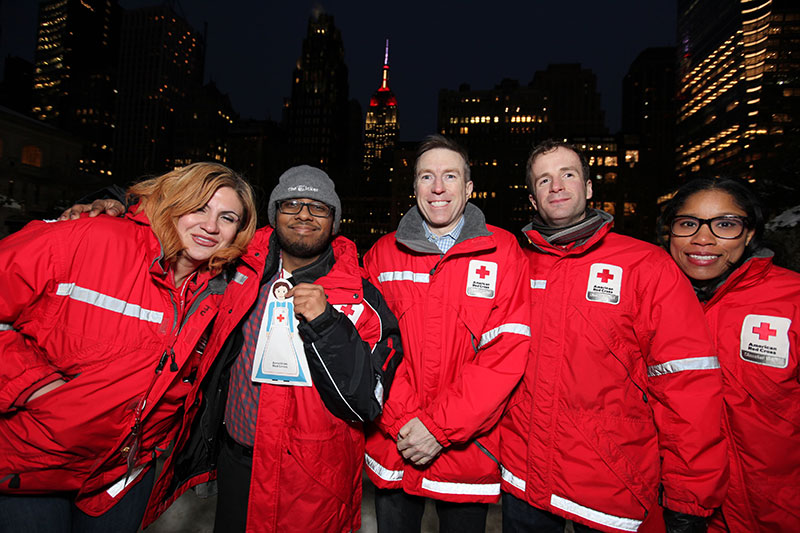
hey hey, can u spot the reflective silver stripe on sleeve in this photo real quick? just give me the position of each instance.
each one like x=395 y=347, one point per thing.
x=617 y=522
x=381 y=471
x=679 y=365
x=333 y=382
x=512 y=479
x=239 y=278
x=405 y=275
x=5 y=327
x=109 y=303
x=520 y=329
x=445 y=487
x=538 y=283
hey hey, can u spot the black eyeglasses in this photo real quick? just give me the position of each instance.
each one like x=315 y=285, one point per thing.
x=317 y=209
x=724 y=227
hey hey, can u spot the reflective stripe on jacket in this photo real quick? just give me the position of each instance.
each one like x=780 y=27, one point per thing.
x=755 y=321
x=622 y=390
x=89 y=301
x=309 y=449
x=466 y=330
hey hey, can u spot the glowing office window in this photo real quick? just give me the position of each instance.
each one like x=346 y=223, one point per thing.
x=32 y=155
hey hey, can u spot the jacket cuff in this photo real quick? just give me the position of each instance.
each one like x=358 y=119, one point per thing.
x=435 y=430
x=395 y=428
x=685 y=507
x=323 y=322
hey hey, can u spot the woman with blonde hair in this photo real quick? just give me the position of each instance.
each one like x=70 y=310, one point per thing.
x=103 y=327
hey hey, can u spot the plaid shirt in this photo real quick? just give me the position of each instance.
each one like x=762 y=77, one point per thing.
x=241 y=409
x=446 y=241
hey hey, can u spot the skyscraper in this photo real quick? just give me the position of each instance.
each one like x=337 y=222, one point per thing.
x=74 y=74
x=648 y=115
x=160 y=79
x=317 y=115
x=500 y=126
x=739 y=93
x=381 y=126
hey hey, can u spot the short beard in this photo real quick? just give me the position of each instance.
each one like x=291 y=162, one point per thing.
x=302 y=249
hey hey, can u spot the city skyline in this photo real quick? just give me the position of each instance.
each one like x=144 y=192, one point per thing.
x=433 y=47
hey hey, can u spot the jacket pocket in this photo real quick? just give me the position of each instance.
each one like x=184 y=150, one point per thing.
x=332 y=459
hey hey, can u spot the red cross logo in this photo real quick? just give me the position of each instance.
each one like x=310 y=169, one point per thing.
x=280 y=318
x=764 y=332
x=482 y=272
x=348 y=310
x=605 y=275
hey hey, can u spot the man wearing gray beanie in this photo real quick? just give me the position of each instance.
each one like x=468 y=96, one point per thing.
x=312 y=352
x=273 y=471
x=283 y=427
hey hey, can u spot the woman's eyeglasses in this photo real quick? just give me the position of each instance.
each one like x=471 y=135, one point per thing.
x=724 y=227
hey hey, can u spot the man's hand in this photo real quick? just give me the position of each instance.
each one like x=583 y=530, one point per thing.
x=110 y=207
x=47 y=388
x=416 y=443
x=310 y=300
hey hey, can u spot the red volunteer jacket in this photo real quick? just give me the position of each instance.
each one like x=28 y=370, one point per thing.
x=622 y=378
x=465 y=328
x=89 y=301
x=307 y=461
x=755 y=319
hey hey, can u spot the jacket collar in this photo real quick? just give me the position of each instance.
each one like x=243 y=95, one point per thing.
x=751 y=272
x=538 y=241
x=411 y=234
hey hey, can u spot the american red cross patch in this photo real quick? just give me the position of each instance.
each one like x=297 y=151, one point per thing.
x=481 y=279
x=605 y=283
x=765 y=340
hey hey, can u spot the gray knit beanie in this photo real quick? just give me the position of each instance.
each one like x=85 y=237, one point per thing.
x=305 y=182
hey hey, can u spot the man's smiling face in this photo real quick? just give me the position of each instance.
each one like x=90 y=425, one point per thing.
x=442 y=189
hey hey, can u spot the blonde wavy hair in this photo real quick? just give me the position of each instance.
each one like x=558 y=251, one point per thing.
x=184 y=190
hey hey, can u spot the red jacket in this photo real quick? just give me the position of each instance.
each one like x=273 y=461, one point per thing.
x=465 y=328
x=309 y=442
x=89 y=301
x=621 y=378
x=755 y=319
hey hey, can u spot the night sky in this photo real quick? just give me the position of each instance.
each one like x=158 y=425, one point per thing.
x=253 y=45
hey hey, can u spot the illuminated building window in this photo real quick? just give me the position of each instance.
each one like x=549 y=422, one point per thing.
x=631 y=157
x=630 y=208
x=611 y=177
x=32 y=155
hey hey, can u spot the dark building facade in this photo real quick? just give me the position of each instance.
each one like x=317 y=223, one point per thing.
x=39 y=170
x=739 y=93
x=648 y=124
x=16 y=91
x=318 y=116
x=74 y=74
x=160 y=82
x=500 y=126
x=202 y=129
x=257 y=149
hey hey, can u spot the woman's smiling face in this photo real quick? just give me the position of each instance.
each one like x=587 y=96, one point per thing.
x=705 y=256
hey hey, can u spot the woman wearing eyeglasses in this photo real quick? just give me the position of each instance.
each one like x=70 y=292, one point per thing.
x=103 y=329
x=712 y=229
